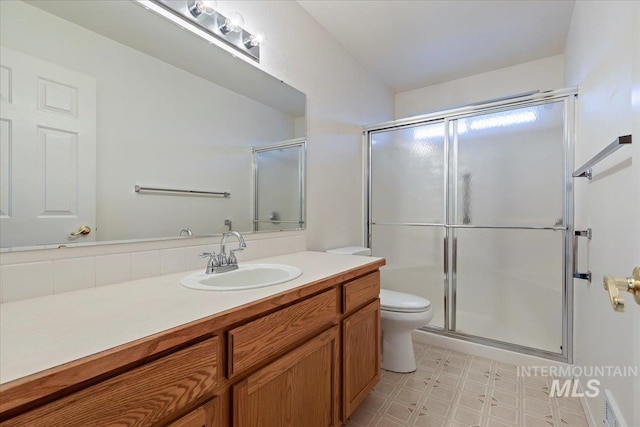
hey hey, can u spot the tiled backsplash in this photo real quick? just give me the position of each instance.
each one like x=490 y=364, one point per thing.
x=33 y=274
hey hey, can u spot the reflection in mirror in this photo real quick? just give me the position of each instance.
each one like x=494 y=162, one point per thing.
x=279 y=186
x=101 y=96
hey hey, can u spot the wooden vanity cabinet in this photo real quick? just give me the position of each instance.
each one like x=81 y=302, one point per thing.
x=304 y=358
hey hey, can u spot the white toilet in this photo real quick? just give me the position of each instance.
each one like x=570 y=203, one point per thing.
x=400 y=314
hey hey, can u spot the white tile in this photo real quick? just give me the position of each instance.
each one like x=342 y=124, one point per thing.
x=29 y=280
x=251 y=252
x=74 y=274
x=145 y=264
x=172 y=261
x=273 y=247
x=112 y=269
x=297 y=243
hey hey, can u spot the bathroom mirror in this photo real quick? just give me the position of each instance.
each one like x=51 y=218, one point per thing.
x=102 y=97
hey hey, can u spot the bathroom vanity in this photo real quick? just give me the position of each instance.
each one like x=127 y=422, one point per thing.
x=302 y=353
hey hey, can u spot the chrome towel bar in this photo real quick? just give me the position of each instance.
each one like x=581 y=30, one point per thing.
x=585 y=170
x=141 y=189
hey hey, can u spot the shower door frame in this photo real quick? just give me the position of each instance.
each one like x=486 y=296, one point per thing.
x=568 y=96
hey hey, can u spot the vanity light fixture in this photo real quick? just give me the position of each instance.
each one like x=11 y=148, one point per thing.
x=255 y=39
x=198 y=7
x=231 y=24
x=202 y=18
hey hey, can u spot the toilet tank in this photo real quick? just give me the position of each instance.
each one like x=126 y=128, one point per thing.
x=351 y=250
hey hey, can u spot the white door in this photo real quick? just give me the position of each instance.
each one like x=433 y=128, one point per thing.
x=47 y=152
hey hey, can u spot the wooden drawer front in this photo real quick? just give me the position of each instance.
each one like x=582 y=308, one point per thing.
x=256 y=341
x=196 y=418
x=140 y=397
x=207 y=415
x=361 y=291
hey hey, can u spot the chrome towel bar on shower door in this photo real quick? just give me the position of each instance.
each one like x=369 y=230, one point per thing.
x=585 y=170
x=580 y=233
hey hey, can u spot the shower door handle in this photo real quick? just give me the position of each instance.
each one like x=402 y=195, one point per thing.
x=581 y=233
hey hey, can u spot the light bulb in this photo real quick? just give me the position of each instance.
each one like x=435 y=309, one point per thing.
x=198 y=7
x=256 y=39
x=232 y=24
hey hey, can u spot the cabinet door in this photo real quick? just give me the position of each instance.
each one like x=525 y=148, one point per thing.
x=299 y=389
x=361 y=350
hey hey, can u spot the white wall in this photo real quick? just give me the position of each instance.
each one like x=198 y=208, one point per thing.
x=601 y=48
x=543 y=74
x=341 y=98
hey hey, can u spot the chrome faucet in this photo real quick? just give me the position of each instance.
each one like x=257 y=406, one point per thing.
x=221 y=263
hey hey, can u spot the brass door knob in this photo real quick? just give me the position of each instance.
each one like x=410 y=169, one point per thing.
x=630 y=284
x=83 y=230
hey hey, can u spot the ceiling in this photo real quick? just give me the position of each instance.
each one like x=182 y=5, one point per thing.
x=410 y=44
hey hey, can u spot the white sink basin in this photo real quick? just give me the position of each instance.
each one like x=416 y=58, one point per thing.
x=247 y=276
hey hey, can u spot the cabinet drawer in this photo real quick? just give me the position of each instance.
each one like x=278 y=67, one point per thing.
x=195 y=418
x=207 y=415
x=140 y=397
x=360 y=291
x=255 y=341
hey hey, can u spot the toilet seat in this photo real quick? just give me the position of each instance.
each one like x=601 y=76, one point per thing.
x=401 y=302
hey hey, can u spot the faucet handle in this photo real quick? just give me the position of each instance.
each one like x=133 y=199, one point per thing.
x=232 y=257
x=213 y=259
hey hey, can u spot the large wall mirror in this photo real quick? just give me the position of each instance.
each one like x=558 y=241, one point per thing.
x=99 y=97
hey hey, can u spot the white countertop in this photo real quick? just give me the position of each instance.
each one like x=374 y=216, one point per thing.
x=40 y=333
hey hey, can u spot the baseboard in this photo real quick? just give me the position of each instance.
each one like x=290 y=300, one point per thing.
x=587 y=413
x=481 y=350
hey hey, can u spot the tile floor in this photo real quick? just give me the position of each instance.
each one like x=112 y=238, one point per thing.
x=452 y=389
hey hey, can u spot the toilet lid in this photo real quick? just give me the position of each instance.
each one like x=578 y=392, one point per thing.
x=402 y=302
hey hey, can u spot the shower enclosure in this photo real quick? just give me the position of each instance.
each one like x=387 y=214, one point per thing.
x=279 y=186
x=473 y=210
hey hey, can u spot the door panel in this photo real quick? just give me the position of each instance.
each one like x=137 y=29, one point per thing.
x=299 y=389
x=509 y=286
x=415 y=259
x=47 y=152
x=408 y=175
x=509 y=168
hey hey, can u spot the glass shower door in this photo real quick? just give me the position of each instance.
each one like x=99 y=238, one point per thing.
x=407 y=210
x=507 y=218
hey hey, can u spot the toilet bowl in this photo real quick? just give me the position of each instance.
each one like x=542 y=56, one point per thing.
x=400 y=314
